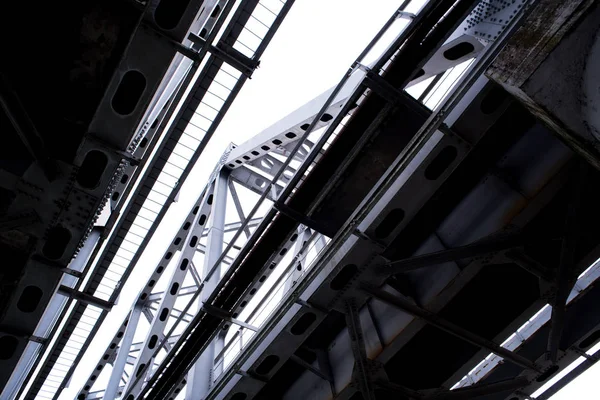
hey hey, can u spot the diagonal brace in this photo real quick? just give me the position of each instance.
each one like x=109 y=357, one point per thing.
x=448 y=327
x=478 y=248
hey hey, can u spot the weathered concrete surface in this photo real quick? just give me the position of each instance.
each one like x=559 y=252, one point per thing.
x=545 y=66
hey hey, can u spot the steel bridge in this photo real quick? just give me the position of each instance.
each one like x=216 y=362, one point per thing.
x=426 y=229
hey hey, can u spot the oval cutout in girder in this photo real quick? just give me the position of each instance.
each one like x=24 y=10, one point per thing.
x=8 y=346
x=326 y=117
x=210 y=199
x=458 y=51
x=202 y=219
x=389 y=223
x=196 y=210
x=152 y=341
x=343 y=277
x=440 y=163
x=303 y=323
x=174 y=288
x=290 y=135
x=57 y=242
x=124 y=178
x=168 y=13
x=186 y=226
x=30 y=299
x=215 y=11
x=267 y=364
x=184 y=264
x=129 y=92
x=164 y=314
x=91 y=169
x=193 y=241
x=419 y=74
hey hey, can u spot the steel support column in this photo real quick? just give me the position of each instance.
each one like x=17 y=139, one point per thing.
x=119 y=364
x=200 y=376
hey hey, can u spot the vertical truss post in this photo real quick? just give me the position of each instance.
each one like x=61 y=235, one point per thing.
x=200 y=376
x=119 y=363
x=362 y=373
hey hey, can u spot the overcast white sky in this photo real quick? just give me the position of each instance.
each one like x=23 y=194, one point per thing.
x=315 y=45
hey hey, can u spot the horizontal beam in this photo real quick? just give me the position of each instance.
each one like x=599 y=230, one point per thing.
x=448 y=327
x=479 y=248
x=85 y=298
x=470 y=392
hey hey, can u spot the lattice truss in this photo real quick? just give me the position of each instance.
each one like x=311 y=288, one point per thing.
x=242 y=188
x=242 y=194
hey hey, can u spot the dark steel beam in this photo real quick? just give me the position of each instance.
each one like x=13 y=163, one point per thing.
x=530 y=265
x=565 y=275
x=448 y=327
x=310 y=368
x=325 y=367
x=399 y=390
x=362 y=374
x=85 y=298
x=485 y=389
x=24 y=127
x=479 y=248
x=303 y=219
